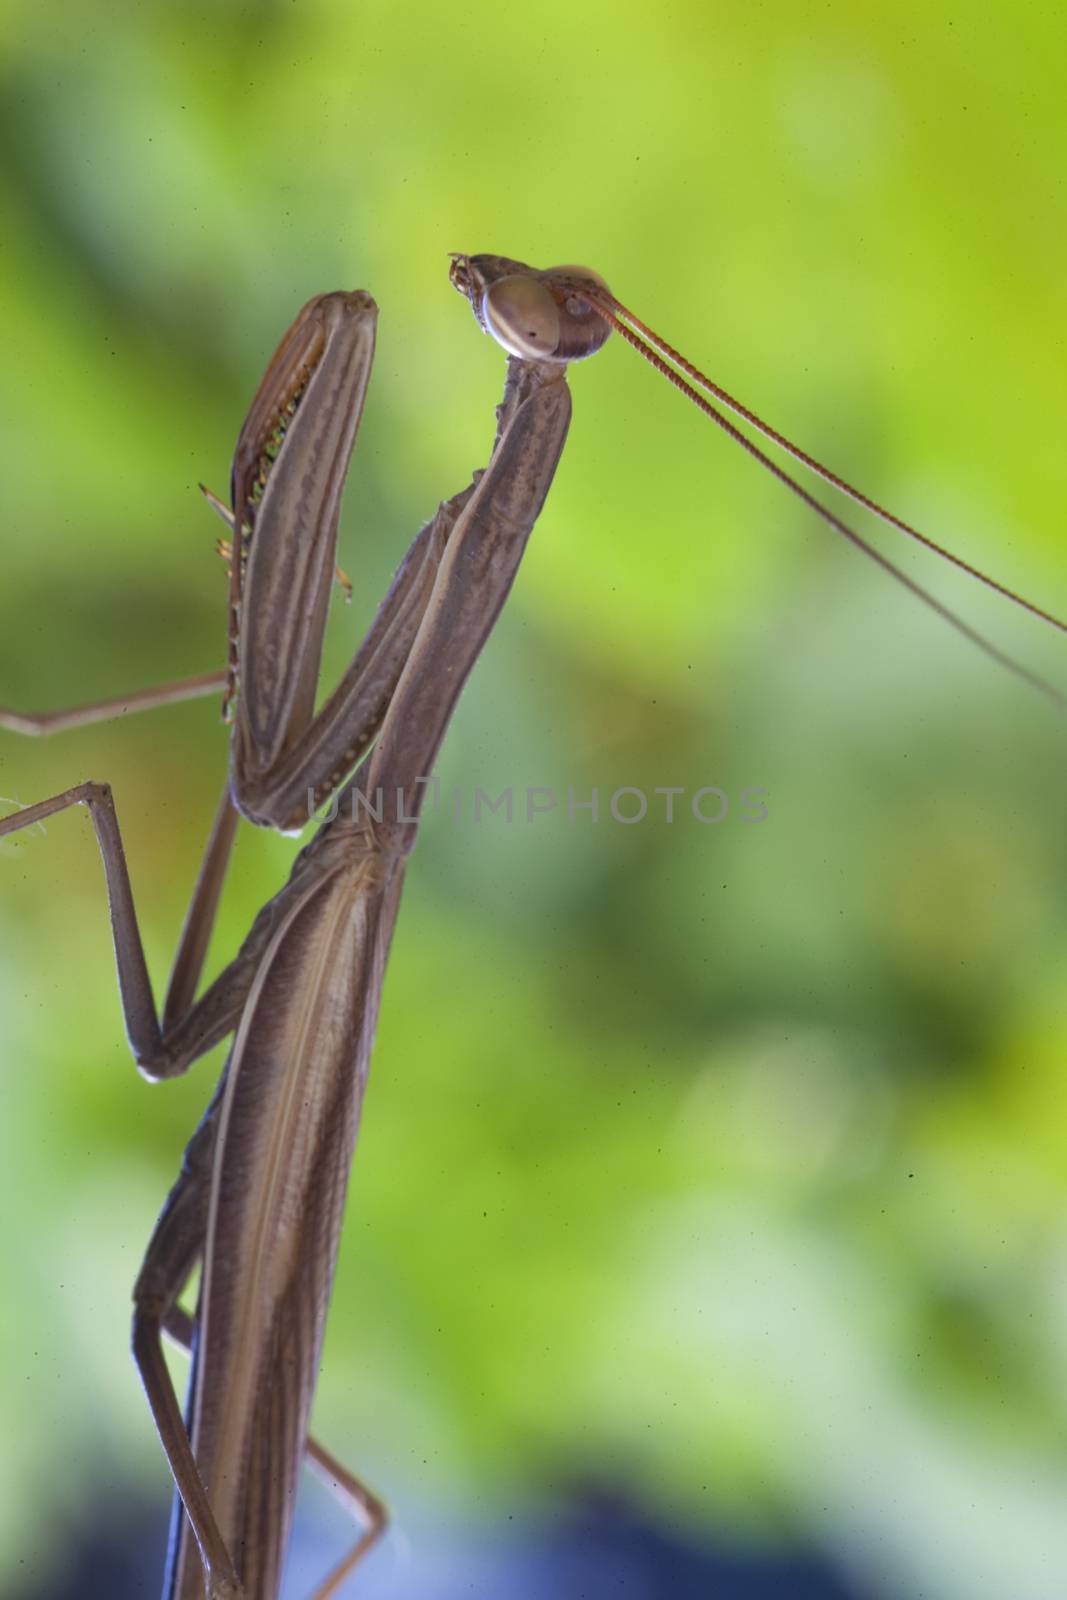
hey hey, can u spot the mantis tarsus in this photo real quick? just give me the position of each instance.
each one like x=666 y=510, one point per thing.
x=260 y=1195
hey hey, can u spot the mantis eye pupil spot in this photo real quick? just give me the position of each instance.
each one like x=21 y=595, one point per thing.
x=522 y=316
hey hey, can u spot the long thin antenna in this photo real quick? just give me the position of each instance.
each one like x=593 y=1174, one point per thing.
x=658 y=353
x=606 y=303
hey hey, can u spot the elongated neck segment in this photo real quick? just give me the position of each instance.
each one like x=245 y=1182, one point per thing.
x=473 y=581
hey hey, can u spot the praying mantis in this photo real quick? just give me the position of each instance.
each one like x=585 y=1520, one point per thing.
x=259 y=1199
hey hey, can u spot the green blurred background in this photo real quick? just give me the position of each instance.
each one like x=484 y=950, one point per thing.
x=724 y=1165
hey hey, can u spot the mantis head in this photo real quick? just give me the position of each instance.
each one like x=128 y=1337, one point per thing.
x=538 y=316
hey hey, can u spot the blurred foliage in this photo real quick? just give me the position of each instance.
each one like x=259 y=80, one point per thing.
x=724 y=1162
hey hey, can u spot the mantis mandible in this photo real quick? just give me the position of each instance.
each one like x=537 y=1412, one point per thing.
x=259 y=1199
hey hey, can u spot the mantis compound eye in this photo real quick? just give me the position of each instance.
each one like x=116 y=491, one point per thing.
x=521 y=314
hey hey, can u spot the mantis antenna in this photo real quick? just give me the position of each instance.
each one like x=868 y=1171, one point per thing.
x=539 y=316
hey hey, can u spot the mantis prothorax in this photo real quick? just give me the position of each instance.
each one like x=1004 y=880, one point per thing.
x=259 y=1199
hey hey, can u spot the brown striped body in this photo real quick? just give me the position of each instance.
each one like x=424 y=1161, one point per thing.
x=282 y=1158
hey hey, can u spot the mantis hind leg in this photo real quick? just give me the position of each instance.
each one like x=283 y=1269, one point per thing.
x=174 y=1250
x=359 y=1501
x=362 y=1504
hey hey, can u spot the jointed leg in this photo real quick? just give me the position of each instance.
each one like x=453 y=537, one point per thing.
x=200 y=917
x=173 y=1251
x=159 y=1053
x=283 y=791
x=359 y=1501
x=39 y=723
